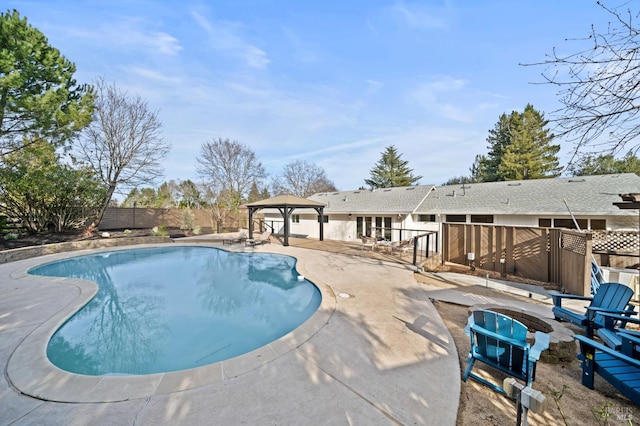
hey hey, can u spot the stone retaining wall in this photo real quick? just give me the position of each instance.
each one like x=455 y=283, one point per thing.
x=35 y=251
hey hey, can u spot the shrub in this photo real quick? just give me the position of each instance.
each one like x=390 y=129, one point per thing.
x=160 y=231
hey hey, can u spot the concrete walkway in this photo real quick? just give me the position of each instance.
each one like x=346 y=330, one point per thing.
x=380 y=356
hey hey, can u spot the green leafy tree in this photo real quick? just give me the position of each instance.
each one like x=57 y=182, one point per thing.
x=519 y=148
x=605 y=164
x=189 y=195
x=302 y=179
x=255 y=194
x=142 y=197
x=391 y=171
x=458 y=180
x=39 y=99
x=475 y=170
x=44 y=194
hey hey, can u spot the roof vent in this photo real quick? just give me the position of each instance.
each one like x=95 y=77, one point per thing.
x=356 y=192
x=577 y=180
x=386 y=190
x=411 y=188
x=514 y=184
x=335 y=193
x=345 y=198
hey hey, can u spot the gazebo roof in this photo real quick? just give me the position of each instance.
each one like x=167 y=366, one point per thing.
x=286 y=201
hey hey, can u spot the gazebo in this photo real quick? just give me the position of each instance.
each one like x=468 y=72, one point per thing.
x=286 y=204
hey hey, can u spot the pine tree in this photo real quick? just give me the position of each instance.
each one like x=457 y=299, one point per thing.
x=391 y=171
x=520 y=148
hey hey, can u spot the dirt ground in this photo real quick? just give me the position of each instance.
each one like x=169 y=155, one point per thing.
x=568 y=401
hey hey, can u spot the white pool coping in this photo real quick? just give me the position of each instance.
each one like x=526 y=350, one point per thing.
x=31 y=372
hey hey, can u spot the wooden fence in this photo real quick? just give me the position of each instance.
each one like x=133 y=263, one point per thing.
x=139 y=218
x=553 y=255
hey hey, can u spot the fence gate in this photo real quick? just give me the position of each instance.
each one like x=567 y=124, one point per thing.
x=553 y=255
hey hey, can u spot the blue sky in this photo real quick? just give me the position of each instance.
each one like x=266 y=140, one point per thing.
x=328 y=82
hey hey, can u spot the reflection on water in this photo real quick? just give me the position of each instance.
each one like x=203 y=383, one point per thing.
x=167 y=309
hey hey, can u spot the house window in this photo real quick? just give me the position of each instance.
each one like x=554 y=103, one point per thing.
x=295 y=218
x=544 y=223
x=481 y=218
x=568 y=223
x=599 y=224
x=426 y=218
x=457 y=218
x=363 y=226
x=325 y=219
x=383 y=227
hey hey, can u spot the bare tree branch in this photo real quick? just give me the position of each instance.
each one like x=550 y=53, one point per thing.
x=599 y=88
x=122 y=145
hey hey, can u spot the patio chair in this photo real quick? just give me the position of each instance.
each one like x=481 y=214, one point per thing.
x=614 y=330
x=242 y=235
x=501 y=342
x=264 y=238
x=402 y=246
x=617 y=368
x=611 y=298
x=368 y=242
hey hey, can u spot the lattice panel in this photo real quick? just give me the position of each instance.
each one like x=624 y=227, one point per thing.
x=574 y=243
x=616 y=241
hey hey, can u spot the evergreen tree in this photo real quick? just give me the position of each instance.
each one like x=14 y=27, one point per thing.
x=519 y=148
x=39 y=98
x=499 y=139
x=391 y=171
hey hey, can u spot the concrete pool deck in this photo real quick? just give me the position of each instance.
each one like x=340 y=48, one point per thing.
x=381 y=356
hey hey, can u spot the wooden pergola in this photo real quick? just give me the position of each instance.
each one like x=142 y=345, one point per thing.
x=286 y=204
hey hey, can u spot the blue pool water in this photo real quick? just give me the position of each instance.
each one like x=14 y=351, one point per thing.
x=173 y=308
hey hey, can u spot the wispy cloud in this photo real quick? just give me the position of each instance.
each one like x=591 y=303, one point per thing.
x=373 y=85
x=301 y=50
x=225 y=36
x=149 y=74
x=437 y=94
x=129 y=34
x=417 y=15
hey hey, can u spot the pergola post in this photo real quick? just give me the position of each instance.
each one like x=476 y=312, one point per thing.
x=320 y=211
x=250 y=222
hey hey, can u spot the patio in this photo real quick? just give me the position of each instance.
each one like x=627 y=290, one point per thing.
x=380 y=356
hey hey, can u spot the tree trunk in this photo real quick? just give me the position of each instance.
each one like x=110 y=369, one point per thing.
x=103 y=208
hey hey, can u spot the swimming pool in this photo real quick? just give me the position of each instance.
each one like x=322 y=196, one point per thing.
x=174 y=308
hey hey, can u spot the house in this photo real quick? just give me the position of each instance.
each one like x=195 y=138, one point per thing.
x=400 y=213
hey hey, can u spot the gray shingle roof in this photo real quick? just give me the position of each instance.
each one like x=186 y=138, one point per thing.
x=400 y=200
x=592 y=195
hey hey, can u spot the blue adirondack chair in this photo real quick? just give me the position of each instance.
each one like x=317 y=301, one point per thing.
x=611 y=298
x=596 y=276
x=614 y=329
x=501 y=342
x=617 y=368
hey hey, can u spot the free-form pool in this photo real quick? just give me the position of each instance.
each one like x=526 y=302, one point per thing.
x=174 y=308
